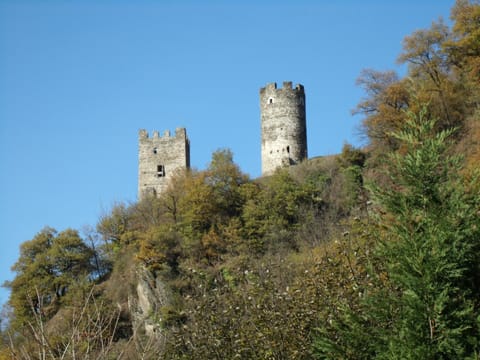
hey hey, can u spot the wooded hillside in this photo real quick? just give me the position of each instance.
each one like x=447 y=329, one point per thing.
x=373 y=253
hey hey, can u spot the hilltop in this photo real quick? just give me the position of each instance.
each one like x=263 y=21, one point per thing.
x=373 y=252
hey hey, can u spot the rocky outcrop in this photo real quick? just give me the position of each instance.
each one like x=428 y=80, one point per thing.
x=145 y=303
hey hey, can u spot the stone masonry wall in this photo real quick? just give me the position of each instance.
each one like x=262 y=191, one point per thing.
x=159 y=158
x=283 y=122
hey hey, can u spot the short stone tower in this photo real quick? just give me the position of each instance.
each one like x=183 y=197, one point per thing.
x=159 y=158
x=284 y=128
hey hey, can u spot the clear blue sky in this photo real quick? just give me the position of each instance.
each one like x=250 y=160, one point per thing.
x=79 y=78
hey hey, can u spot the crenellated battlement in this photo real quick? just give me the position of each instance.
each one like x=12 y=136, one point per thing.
x=283 y=142
x=287 y=86
x=142 y=134
x=179 y=132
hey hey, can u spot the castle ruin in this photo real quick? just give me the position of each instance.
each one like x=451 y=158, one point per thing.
x=159 y=158
x=284 y=129
x=284 y=140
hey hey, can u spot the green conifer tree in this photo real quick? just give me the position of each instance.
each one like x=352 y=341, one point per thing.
x=428 y=243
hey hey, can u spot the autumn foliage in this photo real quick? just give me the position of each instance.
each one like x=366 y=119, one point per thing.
x=372 y=253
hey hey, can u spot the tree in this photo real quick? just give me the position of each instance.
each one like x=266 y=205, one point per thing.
x=386 y=97
x=209 y=200
x=429 y=243
x=48 y=267
x=442 y=72
x=114 y=227
x=196 y=208
x=88 y=329
x=275 y=210
x=225 y=178
x=464 y=48
x=160 y=249
x=464 y=52
x=423 y=51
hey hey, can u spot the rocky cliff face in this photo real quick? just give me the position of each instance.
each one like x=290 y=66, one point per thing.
x=144 y=305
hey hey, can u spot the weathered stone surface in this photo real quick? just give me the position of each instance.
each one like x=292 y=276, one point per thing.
x=284 y=140
x=145 y=303
x=159 y=158
x=284 y=129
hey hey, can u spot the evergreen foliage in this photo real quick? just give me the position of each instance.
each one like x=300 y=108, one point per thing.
x=428 y=244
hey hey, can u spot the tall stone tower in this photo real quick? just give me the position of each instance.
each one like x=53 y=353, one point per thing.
x=159 y=158
x=284 y=128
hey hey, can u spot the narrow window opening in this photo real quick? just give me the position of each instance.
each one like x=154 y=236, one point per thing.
x=154 y=150
x=288 y=149
x=160 y=170
x=270 y=101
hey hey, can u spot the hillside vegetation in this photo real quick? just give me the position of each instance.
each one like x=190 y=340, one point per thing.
x=372 y=253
